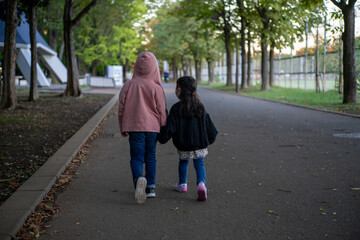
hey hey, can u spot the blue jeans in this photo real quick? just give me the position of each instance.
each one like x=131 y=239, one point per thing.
x=143 y=150
x=199 y=168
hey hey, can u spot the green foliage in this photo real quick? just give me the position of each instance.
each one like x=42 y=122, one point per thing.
x=184 y=30
x=108 y=36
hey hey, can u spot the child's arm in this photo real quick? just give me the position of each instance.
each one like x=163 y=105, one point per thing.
x=167 y=131
x=211 y=129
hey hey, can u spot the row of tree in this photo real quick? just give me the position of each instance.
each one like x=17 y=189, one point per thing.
x=194 y=30
x=184 y=33
x=88 y=37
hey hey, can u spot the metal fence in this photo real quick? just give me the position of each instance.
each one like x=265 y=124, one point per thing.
x=293 y=72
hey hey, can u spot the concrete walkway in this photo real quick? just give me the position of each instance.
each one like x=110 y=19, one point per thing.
x=275 y=172
x=14 y=212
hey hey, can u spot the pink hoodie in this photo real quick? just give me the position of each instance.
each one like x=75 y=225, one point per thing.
x=142 y=104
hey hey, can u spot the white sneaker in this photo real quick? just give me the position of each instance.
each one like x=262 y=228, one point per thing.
x=140 y=195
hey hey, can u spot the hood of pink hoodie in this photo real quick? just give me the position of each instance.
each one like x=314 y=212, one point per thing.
x=142 y=102
x=146 y=68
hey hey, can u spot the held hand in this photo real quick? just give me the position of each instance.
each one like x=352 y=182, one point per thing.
x=124 y=134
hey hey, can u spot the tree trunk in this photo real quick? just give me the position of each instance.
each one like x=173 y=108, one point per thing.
x=264 y=65
x=324 y=54
x=341 y=82
x=350 y=85
x=317 y=82
x=33 y=94
x=236 y=64
x=198 y=70
x=95 y=63
x=244 y=84
x=228 y=54
x=187 y=67
x=306 y=52
x=72 y=87
x=249 y=60
x=197 y=60
x=190 y=68
x=175 y=70
x=183 y=64
x=264 y=52
x=211 y=72
x=8 y=97
x=271 y=75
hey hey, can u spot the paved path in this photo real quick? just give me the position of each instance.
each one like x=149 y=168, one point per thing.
x=274 y=172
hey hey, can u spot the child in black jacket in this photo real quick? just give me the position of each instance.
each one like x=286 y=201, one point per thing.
x=192 y=130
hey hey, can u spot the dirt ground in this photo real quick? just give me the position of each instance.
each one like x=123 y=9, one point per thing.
x=33 y=132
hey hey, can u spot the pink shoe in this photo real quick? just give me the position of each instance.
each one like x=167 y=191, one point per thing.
x=181 y=187
x=201 y=192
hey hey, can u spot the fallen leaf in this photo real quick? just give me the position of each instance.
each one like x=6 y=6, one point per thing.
x=38 y=218
x=273 y=213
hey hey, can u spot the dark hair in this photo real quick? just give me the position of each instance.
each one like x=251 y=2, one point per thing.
x=190 y=104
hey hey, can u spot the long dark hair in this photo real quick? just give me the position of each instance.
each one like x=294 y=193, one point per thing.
x=190 y=104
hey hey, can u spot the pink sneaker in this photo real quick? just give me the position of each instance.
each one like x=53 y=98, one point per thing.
x=201 y=192
x=181 y=187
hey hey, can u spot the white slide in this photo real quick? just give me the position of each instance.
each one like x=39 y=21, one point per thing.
x=24 y=62
x=54 y=64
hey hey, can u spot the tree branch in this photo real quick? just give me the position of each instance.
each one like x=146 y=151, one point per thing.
x=338 y=4
x=81 y=14
x=352 y=3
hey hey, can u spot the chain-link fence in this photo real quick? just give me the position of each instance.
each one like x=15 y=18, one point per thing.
x=294 y=72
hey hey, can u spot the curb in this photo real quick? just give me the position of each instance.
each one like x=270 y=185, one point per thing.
x=287 y=103
x=15 y=210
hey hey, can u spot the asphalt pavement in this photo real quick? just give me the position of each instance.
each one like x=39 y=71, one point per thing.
x=275 y=172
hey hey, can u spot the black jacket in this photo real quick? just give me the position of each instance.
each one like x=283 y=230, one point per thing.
x=188 y=134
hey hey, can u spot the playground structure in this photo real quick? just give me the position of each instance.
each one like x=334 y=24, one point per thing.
x=47 y=55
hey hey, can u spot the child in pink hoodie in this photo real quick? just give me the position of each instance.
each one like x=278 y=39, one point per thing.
x=142 y=110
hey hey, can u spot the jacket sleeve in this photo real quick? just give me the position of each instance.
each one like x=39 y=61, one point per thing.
x=161 y=106
x=167 y=131
x=210 y=129
x=122 y=100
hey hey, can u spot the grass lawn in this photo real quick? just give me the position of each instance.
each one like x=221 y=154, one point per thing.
x=330 y=100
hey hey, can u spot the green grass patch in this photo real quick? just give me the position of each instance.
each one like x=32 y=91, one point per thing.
x=330 y=100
